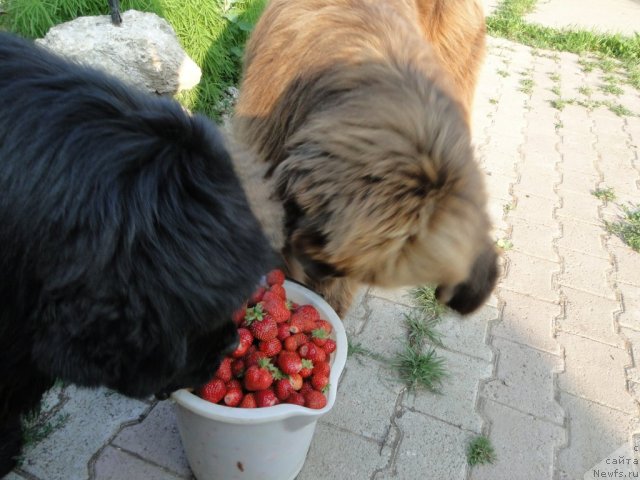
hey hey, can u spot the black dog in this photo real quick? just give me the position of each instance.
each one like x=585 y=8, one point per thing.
x=126 y=240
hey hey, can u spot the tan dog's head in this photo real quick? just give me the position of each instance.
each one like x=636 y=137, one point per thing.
x=379 y=184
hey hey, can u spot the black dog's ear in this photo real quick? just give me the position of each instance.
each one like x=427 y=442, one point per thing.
x=469 y=295
x=114 y=11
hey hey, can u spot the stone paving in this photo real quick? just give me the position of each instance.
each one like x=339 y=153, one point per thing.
x=546 y=369
x=615 y=16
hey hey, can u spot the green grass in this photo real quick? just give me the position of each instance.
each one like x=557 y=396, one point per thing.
x=619 y=109
x=421 y=370
x=503 y=73
x=526 y=85
x=212 y=32
x=480 y=451
x=504 y=244
x=559 y=103
x=605 y=194
x=425 y=300
x=627 y=228
x=37 y=428
x=611 y=89
x=586 y=91
x=356 y=350
x=422 y=328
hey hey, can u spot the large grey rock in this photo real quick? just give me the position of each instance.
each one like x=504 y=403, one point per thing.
x=144 y=51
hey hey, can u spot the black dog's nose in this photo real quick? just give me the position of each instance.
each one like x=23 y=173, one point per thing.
x=234 y=341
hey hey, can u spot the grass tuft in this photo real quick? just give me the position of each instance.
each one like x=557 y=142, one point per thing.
x=425 y=299
x=37 y=428
x=422 y=328
x=480 y=451
x=526 y=85
x=604 y=194
x=421 y=370
x=627 y=228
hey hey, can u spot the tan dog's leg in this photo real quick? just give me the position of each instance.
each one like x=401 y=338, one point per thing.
x=338 y=292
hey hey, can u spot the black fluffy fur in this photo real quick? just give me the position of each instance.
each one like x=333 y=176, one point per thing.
x=114 y=11
x=126 y=240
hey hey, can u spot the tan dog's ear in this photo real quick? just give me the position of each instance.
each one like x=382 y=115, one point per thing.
x=469 y=295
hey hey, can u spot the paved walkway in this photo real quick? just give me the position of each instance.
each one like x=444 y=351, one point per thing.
x=619 y=16
x=547 y=369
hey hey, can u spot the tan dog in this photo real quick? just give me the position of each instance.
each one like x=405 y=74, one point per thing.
x=360 y=111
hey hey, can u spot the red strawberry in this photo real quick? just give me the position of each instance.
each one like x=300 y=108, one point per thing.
x=257 y=295
x=233 y=397
x=248 y=401
x=283 y=389
x=319 y=336
x=224 y=370
x=238 y=315
x=307 y=312
x=246 y=339
x=320 y=355
x=330 y=346
x=264 y=329
x=289 y=362
x=307 y=368
x=283 y=331
x=275 y=307
x=266 y=398
x=325 y=325
x=296 y=398
x=279 y=291
x=237 y=367
x=258 y=377
x=308 y=350
x=270 y=347
x=213 y=391
x=253 y=357
x=296 y=381
x=319 y=382
x=315 y=399
x=293 y=342
x=233 y=383
x=296 y=324
x=275 y=277
x=306 y=387
x=299 y=323
x=321 y=368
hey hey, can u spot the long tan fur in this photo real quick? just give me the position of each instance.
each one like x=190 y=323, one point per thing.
x=360 y=111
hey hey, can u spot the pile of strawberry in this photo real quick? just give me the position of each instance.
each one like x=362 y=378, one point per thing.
x=283 y=355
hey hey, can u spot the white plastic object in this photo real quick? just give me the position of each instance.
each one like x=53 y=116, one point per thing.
x=269 y=443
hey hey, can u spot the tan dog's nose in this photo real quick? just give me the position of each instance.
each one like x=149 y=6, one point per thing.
x=469 y=295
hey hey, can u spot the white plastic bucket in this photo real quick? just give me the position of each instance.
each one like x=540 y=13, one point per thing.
x=269 y=443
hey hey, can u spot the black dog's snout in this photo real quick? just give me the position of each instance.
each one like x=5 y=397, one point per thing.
x=162 y=395
x=232 y=343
